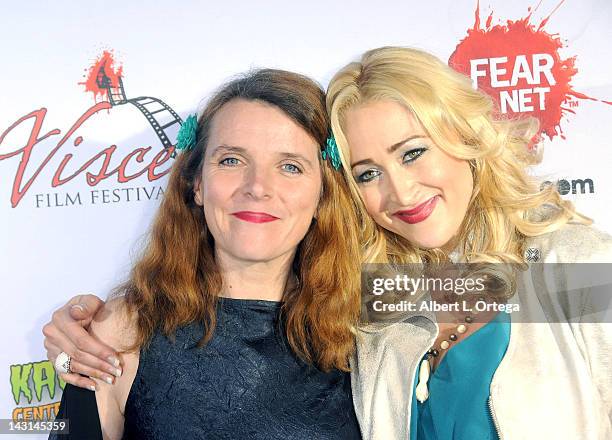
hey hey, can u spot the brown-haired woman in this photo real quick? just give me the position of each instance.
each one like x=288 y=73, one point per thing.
x=233 y=324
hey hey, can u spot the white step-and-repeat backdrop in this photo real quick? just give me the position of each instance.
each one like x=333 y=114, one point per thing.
x=93 y=94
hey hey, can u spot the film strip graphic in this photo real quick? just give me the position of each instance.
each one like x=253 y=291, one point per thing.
x=153 y=109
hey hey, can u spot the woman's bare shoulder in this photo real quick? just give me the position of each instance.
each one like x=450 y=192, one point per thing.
x=115 y=325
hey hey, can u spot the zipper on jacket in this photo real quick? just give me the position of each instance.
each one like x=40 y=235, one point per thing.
x=494 y=418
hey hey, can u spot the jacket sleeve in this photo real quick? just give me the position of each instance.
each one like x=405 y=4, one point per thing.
x=79 y=407
x=596 y=326
x=580 y=244
x=595 y=342
x=594 y=333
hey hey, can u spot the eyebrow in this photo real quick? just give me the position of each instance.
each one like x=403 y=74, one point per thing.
x=233 y=149
x=297 y=157
x=391 y=149
x=227 y=149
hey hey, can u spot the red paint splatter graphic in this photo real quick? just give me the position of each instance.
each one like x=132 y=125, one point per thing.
x=519 y=65
x=102 y=76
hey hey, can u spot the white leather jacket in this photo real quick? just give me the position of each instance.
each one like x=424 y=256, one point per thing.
x=554 y=382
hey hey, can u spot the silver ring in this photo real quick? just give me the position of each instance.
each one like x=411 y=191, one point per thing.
x=62 y=363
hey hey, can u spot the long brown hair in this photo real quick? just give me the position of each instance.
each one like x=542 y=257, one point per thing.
x=177 y=280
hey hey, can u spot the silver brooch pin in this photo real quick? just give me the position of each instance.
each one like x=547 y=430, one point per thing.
x=532 y=255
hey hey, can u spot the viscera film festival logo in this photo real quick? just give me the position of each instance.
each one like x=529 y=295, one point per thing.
x=37 y=152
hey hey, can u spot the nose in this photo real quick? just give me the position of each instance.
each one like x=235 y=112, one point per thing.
x=401 y=188
x=258 y=183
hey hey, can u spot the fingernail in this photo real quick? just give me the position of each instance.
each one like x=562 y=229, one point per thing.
x=113 y=360
x=79 y=306
x=114 y=371
x=108 y=380
x=92 y=388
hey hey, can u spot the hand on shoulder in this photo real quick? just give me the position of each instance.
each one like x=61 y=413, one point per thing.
x=115 y=325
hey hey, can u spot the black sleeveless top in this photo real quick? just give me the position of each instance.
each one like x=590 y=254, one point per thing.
x=245 y=383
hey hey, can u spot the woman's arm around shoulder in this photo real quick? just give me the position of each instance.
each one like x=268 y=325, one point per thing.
x=115 y=326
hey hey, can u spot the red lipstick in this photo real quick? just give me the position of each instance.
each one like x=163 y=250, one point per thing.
x=418 y=213
x=254 y=217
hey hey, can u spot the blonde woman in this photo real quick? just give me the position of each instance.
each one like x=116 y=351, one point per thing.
x=440 y=176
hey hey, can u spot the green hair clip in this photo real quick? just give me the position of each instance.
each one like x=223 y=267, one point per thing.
x=186 y=138
x=331 y=151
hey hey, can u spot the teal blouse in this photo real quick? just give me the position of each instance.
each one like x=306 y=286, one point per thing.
x=458 y=407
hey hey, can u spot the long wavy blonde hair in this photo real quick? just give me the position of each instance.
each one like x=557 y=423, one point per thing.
x=506 y=203
x=177 y=279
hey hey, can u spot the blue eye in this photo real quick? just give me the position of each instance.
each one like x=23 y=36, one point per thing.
x=230 y=162
x=414 y=154
x=368 y=176
x=291 y=168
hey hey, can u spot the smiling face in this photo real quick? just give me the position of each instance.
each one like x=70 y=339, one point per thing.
x=409 y=185
x=260 y=182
